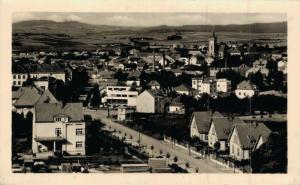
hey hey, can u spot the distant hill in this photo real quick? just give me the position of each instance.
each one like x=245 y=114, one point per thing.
x=50 y=35
x=44 y=25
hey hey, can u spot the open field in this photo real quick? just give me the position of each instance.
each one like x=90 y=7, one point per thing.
x=50 y=35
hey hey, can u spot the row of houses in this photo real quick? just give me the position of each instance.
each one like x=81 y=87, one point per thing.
x=232 y=134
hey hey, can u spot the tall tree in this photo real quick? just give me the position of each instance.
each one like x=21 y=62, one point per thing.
x=96 y=99
x=271 y=157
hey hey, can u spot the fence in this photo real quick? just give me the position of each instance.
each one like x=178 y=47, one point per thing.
x=186 y=147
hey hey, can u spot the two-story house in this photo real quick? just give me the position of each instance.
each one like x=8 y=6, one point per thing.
x=219 y=131
x=200 y=124
x=244 y=138
x=58 y=128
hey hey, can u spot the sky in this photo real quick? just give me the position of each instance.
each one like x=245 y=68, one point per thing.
x=152 y=19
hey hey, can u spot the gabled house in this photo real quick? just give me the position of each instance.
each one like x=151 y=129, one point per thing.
x=200 y=124
x=154 y=85
x=25 y=98
x=184 y=90
x=245 y=89
x=58 y=128
x=152 y=102
x=244 y=138
x=220 y=130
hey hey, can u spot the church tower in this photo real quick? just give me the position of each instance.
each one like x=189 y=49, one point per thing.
x=212 y=45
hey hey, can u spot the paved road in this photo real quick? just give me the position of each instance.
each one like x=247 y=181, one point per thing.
x=204 y=165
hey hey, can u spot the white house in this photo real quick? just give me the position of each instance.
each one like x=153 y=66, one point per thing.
x=206 y=85
x=151 y=101
x=223 y=85
x=282 y=66
x=146 y=102
x=58 y=128
x=200 y=124
x=245 y=89
x=244 y=138
x=45 y=70
x=120 y=95
x=176 y=108
x=220 y=130
x=19 y=75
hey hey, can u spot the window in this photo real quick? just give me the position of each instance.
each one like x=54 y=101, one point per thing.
x=79 y=144
x=19 y=76
x=57 y=119
x=240 y=93
x=14 y=83
x=79 y=131
x=14 y=76
x=23 y=76
x=58 y=132
x=206 y=137
x=19 y=83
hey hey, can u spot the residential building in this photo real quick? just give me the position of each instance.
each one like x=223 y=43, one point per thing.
x=42 y=82
x=245 y=89
x=242 y=69
x=154 y=85
x=244 y=138
x=58 y=128
x=176 y=108
x=259 y=66
x=219 y=131
x=223 y=85
x=45 y=70
x=120 y=95
x=151 y=101
x=184 y=90
x=282 y=66
x=204 y=85
x=235 y=52
x=200 y=124
x=25 y=98
x=19 y=75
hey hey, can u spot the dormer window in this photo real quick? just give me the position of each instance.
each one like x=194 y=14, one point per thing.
x=61 y=118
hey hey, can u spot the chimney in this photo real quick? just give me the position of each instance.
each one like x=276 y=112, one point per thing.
x=164 y=60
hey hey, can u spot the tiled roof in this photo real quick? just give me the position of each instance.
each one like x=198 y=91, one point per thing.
x=249 y=134
x=16 y=68
x=29 y=96
x=182 y=87
x=45 y=112
x=245 y=85
x=203 y=120
x=43 y=68
x=223 y=126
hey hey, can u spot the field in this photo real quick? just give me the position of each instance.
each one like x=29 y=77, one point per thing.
x=49 y=35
